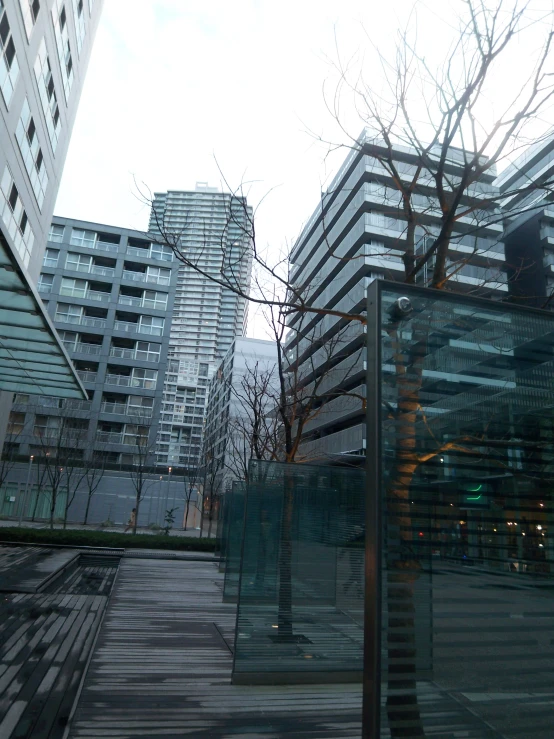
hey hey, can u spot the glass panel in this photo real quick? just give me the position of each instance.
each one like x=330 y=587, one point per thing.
x=300 y=603
x=231 y=538
x=467 y=429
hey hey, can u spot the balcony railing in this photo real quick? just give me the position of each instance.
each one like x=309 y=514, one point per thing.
x=94 y=269
x=78 y=405
x=92 y=321
x=142 y=302
x=102 y=245
x=125 y=410
x=130 y=300
x=137 y=327
x=126 y=326
x=81 y=320
x=79 y=292
x=130 y=381
x=87 y=376
x=83 y=348
x=97 y=295
x=110 y=437
x=125 y=353
x=136 y=251
x=144 y=277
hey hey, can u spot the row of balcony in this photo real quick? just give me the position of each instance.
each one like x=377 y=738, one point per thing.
x=120 y=380
x=115 y=351
x=110 y=437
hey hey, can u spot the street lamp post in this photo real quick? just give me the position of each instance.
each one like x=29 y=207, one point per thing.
x=168 y=489
x=25 y=492
x=158 y=501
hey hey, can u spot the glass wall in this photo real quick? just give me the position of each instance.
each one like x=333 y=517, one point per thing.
x=233 y=530
x=461 y=492
x=300 y=605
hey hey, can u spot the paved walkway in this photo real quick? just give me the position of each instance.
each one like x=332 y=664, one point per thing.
x=162 y=668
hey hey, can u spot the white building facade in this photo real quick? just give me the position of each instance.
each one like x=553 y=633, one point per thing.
x=246 y=376
x=45 y=47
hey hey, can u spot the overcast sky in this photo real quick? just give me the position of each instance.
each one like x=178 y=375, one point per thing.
x=174 y=85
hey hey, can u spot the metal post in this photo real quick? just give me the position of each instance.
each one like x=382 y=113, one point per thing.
x=175 y=491
x=371 y=707
x=167 y=491
x=26 y=490
x=158 y=501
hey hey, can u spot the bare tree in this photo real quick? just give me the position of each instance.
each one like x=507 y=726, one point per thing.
x=191 y=480
x=140 y=471
x=61 y=440
x=438 y=201
x=94 y=469
x=8 y=458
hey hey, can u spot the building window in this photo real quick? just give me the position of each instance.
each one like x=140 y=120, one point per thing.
x=9 y=68
x=45 y=283
x=51 y=258
x=67 y=313
x=75 y=288
x=56 y=233
x=15 y=217
x=27 y=138
x=80 y=237
x=29 y=11
x=61 y=32
x=48 y=98
x=78 y=262
x=79 y=23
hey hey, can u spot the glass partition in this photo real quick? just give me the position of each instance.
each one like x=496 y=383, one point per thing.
x=461 y=497
x=300 y=605
x=234 y=530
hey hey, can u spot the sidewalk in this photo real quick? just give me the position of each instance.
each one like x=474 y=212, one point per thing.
x=110 y=529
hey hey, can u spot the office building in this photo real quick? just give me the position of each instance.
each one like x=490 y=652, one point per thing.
x=529 y=224
x=44 y=52
x=212 y=230
x=240 y=414
x=357 y=234
x=109 y=293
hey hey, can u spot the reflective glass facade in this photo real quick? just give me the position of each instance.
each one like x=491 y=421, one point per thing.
x=460 y=528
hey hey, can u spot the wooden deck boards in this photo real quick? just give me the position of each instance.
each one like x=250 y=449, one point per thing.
x=29 y=570
x=45 y=641
x=161 y=668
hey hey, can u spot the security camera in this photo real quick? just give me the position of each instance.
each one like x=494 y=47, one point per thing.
x=401 y=308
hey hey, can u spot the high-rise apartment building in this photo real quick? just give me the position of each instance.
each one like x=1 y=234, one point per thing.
x=357 y=234
x=44 y=52
x=109 y=293
x=213 y=231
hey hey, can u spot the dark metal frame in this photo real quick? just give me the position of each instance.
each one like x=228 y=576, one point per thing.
x=371 y=713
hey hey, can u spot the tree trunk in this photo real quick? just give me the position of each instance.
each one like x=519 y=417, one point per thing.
x=403 y=564
x=87 y=508
x=52 y=508
x=186 y=515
